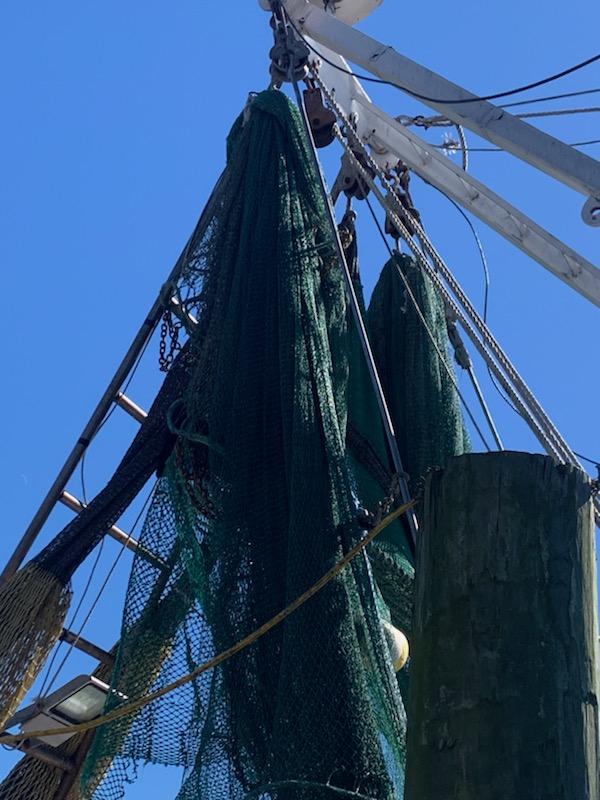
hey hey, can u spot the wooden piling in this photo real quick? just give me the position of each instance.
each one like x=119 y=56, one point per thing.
x=504 y=674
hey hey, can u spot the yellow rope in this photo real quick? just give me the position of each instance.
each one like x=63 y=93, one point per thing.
x=135 y=705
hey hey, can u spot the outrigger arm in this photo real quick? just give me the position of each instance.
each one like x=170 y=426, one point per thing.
x=391 y=141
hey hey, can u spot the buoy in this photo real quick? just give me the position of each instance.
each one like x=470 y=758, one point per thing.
x=397 y=644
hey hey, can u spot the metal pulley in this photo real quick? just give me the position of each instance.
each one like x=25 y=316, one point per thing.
x=289 y=55
x=321 y=119
x=353 y=184
x=390 y=227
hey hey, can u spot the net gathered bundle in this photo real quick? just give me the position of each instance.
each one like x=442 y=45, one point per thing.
x=256 y=502
x=422 y=397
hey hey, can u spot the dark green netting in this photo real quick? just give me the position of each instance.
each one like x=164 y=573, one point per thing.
x=256 y=502
x=423 y=401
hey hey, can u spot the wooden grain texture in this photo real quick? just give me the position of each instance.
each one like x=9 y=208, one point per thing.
x=504 y=675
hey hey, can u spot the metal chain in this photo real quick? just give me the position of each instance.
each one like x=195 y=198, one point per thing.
x=169 y=337
x=552 y=440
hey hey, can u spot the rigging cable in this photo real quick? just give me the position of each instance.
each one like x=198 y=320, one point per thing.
x=71 y=645
x=550 y=97
x=463 y=144
x=591 y=461
x=96 y=562
x=46 y=680
x=450 y=146
x=447 y=101
x=486 y=277
x=477 y=330
x=482 y=256
x=441 y=121
x=386 y=419
x=559 y=112
x=486 y=292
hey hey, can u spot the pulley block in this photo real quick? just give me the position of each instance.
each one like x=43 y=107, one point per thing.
x=321 y=119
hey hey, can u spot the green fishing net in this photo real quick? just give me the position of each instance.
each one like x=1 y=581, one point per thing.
x=257 y=500
x=422 y=398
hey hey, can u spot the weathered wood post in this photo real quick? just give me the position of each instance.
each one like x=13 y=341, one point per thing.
x=504 y=676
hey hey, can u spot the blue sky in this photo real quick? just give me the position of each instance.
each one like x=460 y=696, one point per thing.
x=115 y=117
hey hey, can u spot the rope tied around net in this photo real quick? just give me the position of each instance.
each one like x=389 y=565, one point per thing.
x=242 y=644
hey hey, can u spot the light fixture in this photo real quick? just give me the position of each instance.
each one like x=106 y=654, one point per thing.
x=80 y=700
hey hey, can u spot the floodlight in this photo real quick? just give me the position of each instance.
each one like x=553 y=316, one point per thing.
x=80 y=700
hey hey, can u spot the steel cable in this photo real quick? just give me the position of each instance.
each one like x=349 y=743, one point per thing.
x=559 y=446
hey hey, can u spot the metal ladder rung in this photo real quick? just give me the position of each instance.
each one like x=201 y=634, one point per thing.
x=123 y=538
x=47 y=754
x=69 y=500
x=130 y=407
x=91 y=649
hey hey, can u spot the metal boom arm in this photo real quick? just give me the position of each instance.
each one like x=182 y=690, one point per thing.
x=571 y=167
x=390 y=141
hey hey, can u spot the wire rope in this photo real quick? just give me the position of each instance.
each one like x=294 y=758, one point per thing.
x=471 y=321
x=482 y=255
x=46 y=681
x=448 y=101
x=589 y=460
x=100 y=591
x=486 y=293
x=476 y=328
x=550 y=97
x=442 y=121
x=449 y=146
x=559 y=112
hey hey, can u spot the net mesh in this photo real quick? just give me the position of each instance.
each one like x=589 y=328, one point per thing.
x=256 y=502
x=268 y=440
x=422 y=398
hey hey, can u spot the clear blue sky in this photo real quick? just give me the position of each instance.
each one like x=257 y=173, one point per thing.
x=114 y=121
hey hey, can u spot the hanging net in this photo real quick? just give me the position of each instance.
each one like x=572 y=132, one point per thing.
x=256 y=502
x=422 y=398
